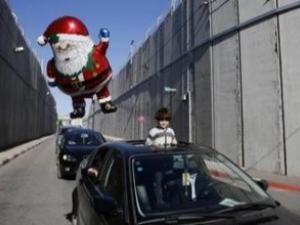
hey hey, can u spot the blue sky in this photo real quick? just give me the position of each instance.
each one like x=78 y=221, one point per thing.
x=126 y=20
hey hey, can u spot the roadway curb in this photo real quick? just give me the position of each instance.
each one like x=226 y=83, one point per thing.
x=272 y=184
x=284 y=186
x=17 y=154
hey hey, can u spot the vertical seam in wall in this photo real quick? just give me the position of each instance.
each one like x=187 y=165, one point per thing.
x=241 y=86
x=281 y=93
x=192 y=81
x=189 y=25
x=212 y=100
x=93 y=105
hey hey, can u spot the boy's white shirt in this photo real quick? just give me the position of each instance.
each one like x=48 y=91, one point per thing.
x=159 y=137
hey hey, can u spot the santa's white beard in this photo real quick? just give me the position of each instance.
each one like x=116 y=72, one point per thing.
x=77 y=56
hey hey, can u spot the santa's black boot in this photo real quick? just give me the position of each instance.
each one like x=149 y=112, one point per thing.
x=108 y=107
x=77 y=113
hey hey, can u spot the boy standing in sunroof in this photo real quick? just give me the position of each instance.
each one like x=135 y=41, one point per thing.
x=162 y=135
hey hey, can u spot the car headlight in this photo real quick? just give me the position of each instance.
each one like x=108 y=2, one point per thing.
x=69 y=158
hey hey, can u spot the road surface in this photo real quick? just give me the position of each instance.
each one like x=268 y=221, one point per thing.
x=30 y=193
x=290 y=200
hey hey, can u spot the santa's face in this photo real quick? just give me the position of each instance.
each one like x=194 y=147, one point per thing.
x=65 y=51
x=71 y=56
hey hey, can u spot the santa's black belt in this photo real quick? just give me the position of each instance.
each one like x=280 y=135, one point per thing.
x=77 y=83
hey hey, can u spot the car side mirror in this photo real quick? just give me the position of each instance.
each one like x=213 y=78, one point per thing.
x=262 y=183
x=83 y=164
x=92 y=172
x=105 y=204
x=83 y=167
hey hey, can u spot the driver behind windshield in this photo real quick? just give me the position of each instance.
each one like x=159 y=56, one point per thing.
x=204 y=181
x=176 y=181
x=83 y=138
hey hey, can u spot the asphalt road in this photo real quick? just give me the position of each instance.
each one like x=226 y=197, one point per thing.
x=290 y=200
x=30 y=193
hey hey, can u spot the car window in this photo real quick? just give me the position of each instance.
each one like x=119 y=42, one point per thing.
x=65 y=130
x=83 y=138
x=183 y=181
x=100 y=137
x=99 y=159
x=112 y=182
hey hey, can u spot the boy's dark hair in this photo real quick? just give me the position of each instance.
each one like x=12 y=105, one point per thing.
x=163 y=114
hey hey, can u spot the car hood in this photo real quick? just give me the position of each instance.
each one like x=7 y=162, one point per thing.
x=277 y=216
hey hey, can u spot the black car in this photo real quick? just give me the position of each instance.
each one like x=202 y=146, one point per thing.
x=74 y=145
x=137 y=184
x=60 y=133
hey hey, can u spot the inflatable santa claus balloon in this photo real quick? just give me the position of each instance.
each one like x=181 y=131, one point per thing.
x=79 y=67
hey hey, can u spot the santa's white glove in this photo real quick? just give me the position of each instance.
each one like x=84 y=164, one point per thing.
x=42 y=40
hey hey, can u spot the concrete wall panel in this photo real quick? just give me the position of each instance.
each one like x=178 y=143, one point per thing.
x=263 y=138
x=244 y=85
x=202 y=97
x=290 y=42
x=226 y=82
x=224 y=15
x=253 y=8
x=26 y=111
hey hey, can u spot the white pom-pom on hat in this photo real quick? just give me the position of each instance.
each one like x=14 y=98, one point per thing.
x=41 y=40
x=106 y=39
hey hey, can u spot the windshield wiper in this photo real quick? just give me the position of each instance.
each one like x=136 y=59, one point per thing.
x=185 y=218
x=247 y=206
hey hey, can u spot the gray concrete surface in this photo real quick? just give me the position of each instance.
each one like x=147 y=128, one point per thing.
x=27 y=108
x=290 y=200
x=243 y=84
x=261 y=89
x=291 y=82
x=10 y=154
x=226 y=81
x=30 y=193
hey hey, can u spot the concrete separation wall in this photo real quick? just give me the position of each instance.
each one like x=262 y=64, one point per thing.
x=234 y=65
x=27 y=109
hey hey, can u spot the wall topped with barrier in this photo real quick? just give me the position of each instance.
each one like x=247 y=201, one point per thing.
x=27 y=108
x=229 y=72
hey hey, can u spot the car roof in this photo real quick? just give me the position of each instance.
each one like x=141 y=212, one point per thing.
x=68 y=127
x=138 y=147
x=64 y=128
x=80 y=129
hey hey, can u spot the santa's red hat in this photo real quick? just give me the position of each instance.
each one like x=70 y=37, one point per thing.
x=64 y=28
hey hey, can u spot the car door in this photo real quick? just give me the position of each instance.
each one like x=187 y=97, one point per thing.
x=86 y=188
x=111 y=184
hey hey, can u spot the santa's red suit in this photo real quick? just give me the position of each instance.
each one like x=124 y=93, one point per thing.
x=92 y=79
x=89 y=72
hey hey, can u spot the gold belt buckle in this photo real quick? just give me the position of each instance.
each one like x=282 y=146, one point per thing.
x=77 y=84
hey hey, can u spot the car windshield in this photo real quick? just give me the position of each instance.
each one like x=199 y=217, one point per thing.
x=84 y=138
x=167 y=182
x=63 y=130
